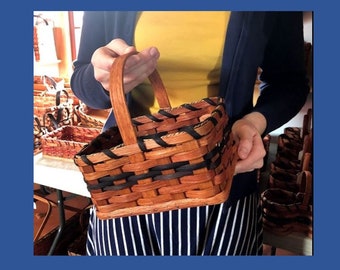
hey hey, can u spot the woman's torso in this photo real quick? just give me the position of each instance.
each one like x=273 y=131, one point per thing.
x=190 y=45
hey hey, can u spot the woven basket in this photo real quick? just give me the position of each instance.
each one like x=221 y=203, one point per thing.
x=285 y=181
x=38 y=132
x=47 y=120
x=281 y=203
x=41 y=83
x=94 y=118
x=286 y=211
x=177 y=158
x=45 y=99
x=66 y=141
x=53 y=109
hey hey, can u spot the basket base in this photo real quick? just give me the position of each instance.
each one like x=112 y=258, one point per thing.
x=167 y=206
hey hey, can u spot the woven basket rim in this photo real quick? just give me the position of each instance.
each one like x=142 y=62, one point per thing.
x=166 y=135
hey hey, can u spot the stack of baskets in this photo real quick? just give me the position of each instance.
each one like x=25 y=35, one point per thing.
x=288 y=201
x=57 y=129
x=52 y=107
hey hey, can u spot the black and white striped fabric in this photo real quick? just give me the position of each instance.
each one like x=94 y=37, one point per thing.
x=210 y=230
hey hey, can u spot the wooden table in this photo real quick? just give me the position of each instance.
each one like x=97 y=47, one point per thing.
x=62 y=175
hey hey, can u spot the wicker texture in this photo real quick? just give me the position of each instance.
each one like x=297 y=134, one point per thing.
x=54 y=109
x=286 y=211
x=66 y=141
x=90 y=118
x=43 y=83
x=38 y=132
x=177 y=158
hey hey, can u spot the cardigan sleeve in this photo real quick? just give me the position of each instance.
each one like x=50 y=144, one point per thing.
x=83 y=83
x=98 y=29
x=284 y=85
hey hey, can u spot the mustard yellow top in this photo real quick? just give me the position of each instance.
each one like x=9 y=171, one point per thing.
x=190 y=45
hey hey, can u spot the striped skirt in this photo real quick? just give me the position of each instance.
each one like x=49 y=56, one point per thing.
x=222 y=229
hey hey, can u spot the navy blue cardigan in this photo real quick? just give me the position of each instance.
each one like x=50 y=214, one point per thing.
x=272 y=41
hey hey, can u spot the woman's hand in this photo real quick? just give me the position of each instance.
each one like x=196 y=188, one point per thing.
x=137 y=67
x=247 y=132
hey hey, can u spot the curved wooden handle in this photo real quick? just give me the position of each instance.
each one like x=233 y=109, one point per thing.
x=306 y=186
x=118 y=100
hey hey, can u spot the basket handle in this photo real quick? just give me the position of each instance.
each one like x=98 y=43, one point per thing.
x=118 y=100
x=306 y=186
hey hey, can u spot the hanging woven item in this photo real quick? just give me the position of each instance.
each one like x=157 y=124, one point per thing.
x=177 y=158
